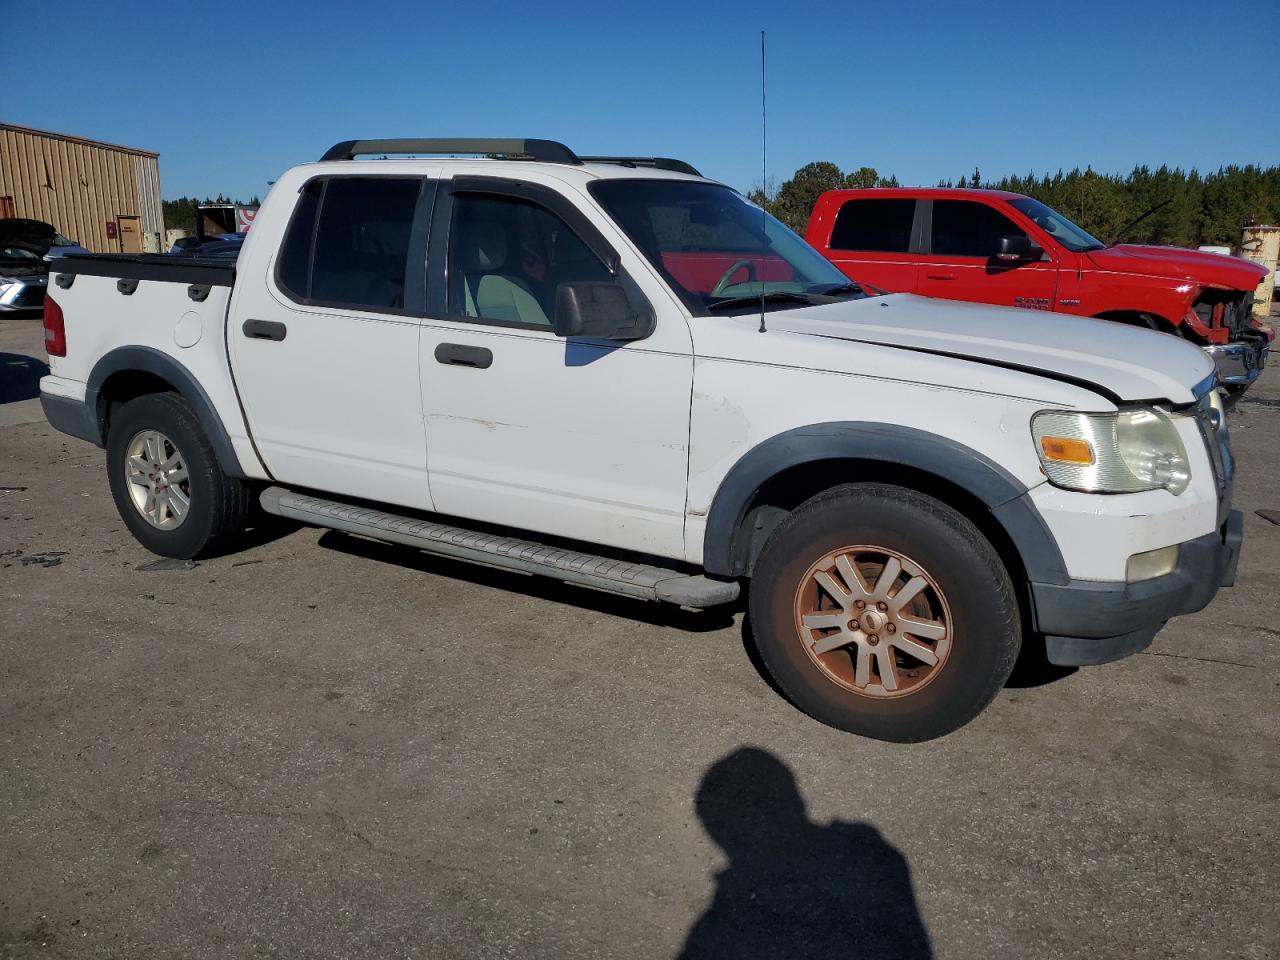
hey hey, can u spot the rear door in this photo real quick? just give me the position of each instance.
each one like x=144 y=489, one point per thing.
x=871 y=242
x=963 y=241
x=325 y=344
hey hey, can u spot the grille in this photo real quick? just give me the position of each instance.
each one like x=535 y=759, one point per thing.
x=29 y=296
x=1227 y=308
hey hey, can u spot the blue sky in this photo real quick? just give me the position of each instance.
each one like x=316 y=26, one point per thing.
x=231 y=93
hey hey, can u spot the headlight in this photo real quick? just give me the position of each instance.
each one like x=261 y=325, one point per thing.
x=1125 y=452
x=6 y=284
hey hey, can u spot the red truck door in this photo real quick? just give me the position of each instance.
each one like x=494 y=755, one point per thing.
x=963 y=263
x=869 y=239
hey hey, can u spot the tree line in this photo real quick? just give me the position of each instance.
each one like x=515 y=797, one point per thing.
x=180 y=214
x=1208 y=208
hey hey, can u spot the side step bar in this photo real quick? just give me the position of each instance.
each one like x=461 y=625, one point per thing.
x=507 y=553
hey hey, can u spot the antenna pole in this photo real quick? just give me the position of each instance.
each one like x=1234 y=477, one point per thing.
x=764 y=178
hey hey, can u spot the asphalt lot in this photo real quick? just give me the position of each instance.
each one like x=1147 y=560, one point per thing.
x=320 y=747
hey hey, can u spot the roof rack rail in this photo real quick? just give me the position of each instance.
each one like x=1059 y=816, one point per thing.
x=548 y=151
x=658 y=163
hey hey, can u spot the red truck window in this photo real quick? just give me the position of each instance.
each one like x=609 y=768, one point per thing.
x=964 y=228
x=880 y=224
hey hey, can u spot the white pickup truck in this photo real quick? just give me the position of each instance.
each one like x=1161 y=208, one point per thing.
x=618 y=373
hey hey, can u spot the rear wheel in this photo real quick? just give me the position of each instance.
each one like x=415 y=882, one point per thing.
x=884 y=612
x=166 y=481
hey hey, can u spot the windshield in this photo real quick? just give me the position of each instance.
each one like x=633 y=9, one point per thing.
x=717 y=251
x=1057 y=226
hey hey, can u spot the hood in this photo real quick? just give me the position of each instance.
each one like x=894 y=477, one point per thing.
x=1179 y=264
x=1122 y=363
x=34 y=235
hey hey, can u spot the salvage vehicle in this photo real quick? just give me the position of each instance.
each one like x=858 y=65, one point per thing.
x=618 y=373
x=24 y=245
x=991 y=246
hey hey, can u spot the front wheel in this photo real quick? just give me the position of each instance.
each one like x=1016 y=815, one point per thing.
x=884 y=612
x=166 y=481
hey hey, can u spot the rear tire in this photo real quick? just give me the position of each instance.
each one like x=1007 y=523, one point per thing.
x=884 y=612
x=166 y=481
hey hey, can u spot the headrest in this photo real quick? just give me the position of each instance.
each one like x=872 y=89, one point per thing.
x=486 y=246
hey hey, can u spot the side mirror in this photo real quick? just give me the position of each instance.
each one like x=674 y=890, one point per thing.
x=1018 y=248
x=600 y=310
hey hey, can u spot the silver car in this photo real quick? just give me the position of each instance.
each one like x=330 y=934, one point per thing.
x=25 y=247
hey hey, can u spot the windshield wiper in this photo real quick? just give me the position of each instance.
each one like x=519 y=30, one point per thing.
x=841 y=288
x=777 y=296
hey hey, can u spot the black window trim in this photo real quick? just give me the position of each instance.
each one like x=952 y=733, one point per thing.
x=512 y=189
x=416 y=258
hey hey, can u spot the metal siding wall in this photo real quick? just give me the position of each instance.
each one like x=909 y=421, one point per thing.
x=149 y=205
x=78 y=186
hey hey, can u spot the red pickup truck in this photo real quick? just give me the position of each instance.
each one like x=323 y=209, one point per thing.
x=991 y=246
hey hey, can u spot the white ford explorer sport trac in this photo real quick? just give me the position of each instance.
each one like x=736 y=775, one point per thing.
x=615 y=372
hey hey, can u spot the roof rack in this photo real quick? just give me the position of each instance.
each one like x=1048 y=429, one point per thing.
x=658 y=163
x=548 y=151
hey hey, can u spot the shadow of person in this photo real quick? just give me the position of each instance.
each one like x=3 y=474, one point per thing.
x=794 y=888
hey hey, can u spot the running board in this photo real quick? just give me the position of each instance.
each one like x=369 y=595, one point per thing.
x=507 y=553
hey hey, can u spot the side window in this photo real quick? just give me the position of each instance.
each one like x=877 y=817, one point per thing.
x=508 y=256
x=879 y=225
x=966 y=228
x=348 y=242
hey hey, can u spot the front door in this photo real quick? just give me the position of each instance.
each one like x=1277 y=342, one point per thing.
x=129 y=230
x=962 y=263
x=579 y=438
x=325 y=344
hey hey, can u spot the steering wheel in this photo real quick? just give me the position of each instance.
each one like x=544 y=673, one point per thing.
x=723 y=283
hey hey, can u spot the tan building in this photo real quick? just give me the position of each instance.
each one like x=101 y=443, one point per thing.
x=104 y=196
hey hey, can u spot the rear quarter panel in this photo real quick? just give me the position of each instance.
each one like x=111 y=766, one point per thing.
x=159 y=315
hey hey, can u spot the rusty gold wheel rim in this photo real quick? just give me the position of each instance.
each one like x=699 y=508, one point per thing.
x=873 y=621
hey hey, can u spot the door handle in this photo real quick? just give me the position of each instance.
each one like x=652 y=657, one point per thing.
x=939 y=276
x=461 y=355
x=264 y=330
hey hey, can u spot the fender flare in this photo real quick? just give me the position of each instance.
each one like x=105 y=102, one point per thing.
x=1003 y=494
x=152 y=361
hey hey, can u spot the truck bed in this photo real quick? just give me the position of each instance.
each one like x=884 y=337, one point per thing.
x=169 y=268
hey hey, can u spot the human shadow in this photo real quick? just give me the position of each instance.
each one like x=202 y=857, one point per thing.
x=20 y=377
x=793 y=888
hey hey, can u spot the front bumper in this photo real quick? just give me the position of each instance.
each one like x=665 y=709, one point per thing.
x=24 y=295
x=1240 y=363
x=1087 y=622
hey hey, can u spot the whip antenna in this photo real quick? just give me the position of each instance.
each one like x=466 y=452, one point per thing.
x=764 y=180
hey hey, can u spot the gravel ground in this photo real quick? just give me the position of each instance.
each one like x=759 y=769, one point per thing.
x=321 y=747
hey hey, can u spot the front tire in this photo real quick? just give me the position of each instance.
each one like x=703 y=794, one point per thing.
x=884 y=612
x=166 y=481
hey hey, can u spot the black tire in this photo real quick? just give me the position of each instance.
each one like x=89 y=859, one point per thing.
x=219 y=505
x=973 y=588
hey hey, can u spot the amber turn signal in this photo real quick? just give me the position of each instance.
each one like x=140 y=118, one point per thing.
x=1067 y=450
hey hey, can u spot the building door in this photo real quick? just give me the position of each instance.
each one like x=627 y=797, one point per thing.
x=7 y=209
x=130 y=232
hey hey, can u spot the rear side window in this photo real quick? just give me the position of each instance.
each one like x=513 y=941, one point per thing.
x=966 y=228
x=881 y=225
x=348 y=242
